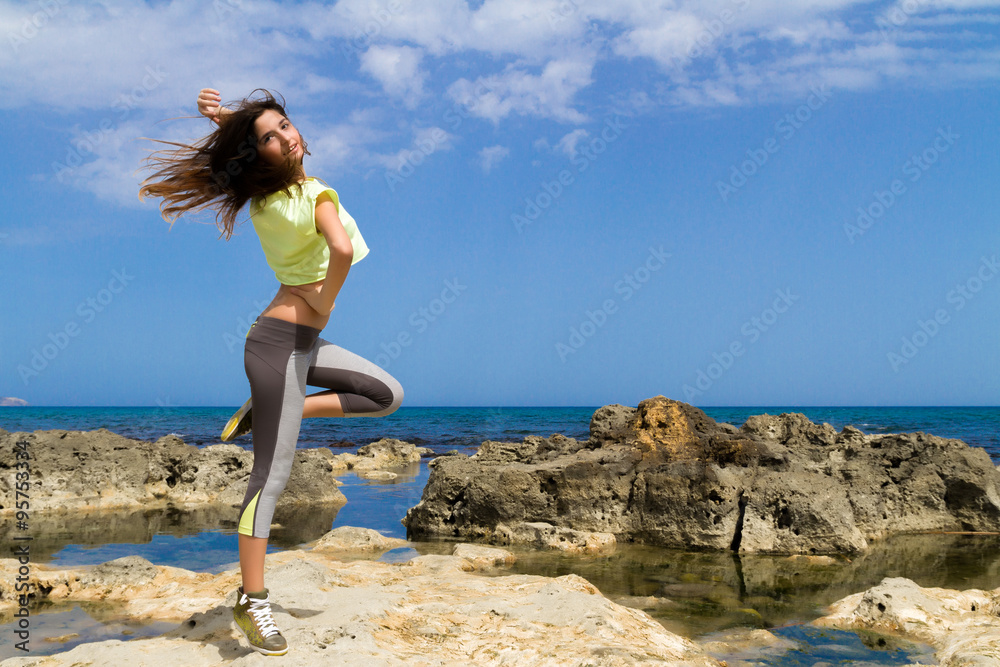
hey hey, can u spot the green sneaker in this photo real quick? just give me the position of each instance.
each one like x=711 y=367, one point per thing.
x=239 y=423
x=253 y=618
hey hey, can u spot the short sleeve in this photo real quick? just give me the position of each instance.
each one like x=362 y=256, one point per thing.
x=350 y=225
x=314 y=195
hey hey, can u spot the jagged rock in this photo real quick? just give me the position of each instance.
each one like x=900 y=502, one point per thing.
x=378 y=475
x=609 y=425
x=963 y=625
x=383 y=454
x=542 y=535
x=749 y=646
x=666 y=474
x=100 y=470
x=348 y=538
x=120 y=573
x=484 y=558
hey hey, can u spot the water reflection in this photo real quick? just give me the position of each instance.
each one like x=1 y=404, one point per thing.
x=54 y=532
x=694 y=594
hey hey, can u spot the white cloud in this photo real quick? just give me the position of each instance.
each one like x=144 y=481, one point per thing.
x=568 y=143
x=548 y=94
x=490 y=156
x=812 y=33
x=397 y=68
x=89 y=54
x=132 y=64
x=426 y=141
x=667 y=41
x=532 y=29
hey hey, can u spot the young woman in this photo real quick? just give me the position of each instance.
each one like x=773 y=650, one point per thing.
x=254 y=159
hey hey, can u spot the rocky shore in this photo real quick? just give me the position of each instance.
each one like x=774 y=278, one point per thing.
x=662 y=474
x=78 y=471
x=431 y=610
x=75 y=471
x=338 y=606
x=666 y=474
x=96 y=487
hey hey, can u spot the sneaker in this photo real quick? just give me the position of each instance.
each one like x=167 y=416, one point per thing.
x=253 y=618
x=239 y=423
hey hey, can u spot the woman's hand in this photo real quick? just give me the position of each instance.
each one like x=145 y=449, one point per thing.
x=313 y=296
x=210 y=104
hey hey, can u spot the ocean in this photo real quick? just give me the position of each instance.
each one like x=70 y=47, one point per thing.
x=464 y=429
x=959 y=562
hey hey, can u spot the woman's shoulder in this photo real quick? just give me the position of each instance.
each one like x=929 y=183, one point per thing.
x=316 y=186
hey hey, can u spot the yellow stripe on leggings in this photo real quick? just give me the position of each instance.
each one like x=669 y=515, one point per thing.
x=246 y=520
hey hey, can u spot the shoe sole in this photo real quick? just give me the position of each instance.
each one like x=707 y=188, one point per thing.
x=263 y=651
x=234 y=421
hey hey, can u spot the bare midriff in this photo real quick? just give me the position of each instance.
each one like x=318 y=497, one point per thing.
x=290 y=308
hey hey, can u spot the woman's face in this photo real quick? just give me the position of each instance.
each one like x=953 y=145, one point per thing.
x=277 y=138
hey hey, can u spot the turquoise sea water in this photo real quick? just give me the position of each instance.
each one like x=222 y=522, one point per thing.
x=176 y=539
x=443 y=429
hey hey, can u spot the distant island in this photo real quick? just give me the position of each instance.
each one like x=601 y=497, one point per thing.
x=11 y=402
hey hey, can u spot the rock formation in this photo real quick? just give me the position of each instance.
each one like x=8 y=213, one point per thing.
x=666 y=474
x=79 y=471
x=963 y=625
x=100 y=470
x=96 y=487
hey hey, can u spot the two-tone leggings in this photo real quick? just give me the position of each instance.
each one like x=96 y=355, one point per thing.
x=281 y=358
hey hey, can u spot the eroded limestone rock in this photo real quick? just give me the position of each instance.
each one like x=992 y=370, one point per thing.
x=963 y=625
x=100 y=470
x=666 y=474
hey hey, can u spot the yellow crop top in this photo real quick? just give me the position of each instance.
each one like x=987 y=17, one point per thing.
x=286 y=226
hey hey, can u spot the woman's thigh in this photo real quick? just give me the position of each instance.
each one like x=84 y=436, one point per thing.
x=365 y=389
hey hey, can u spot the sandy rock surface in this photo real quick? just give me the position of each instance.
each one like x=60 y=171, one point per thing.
x=356 y=540
x=963 y=625
x=484 y=558
x=432 y=610
x=440 y=610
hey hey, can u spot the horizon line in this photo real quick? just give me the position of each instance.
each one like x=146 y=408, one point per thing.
x=493 y=407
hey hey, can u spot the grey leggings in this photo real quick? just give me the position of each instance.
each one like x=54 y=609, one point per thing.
x=281 y=358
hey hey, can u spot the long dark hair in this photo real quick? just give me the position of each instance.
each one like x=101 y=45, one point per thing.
x=220 y=172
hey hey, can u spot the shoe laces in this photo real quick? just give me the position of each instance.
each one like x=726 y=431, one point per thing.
x=260 y=610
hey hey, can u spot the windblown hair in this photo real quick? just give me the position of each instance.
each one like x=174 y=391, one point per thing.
x=220 y=172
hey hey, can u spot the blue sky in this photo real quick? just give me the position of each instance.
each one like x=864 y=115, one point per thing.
x=732 y=202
